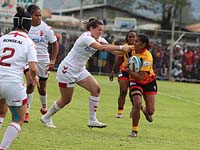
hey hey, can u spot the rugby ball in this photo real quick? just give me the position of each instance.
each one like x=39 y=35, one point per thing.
x=134 y=63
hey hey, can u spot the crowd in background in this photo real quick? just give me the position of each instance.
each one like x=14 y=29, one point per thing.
x=185 y=63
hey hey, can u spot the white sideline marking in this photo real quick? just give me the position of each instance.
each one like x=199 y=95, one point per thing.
x=180 y=98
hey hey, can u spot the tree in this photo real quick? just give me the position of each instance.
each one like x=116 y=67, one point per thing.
x=165 y=8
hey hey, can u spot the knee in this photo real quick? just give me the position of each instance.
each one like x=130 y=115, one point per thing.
x=151 y=111
x=137 y=102
x=123 y=93
x=96 y=91
x=42 y=91
x=30 y=87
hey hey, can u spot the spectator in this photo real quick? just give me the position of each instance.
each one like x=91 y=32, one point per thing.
x=177 y=72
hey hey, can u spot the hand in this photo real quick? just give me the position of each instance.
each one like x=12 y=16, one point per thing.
x=36 y=79
x=111 y=76
x=51 y=65
x=127 y=68
x=126 y=48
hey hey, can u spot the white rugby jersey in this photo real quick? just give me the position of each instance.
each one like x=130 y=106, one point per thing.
x=42 y=35
x=81 y=51
x=16 y=50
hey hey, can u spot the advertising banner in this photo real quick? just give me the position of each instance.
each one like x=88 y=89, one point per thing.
x=124 y=24
x=8 y=8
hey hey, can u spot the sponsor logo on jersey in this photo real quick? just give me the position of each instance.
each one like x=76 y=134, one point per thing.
x=38 y=40
x=146 y=63
x=12 y=40
x=91 y=50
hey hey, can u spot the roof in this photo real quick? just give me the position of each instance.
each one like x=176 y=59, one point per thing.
x=87 y=7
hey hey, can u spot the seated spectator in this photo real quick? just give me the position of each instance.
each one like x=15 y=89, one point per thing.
x=177 y=72
x=164 y=72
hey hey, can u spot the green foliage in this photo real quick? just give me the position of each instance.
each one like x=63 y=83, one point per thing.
x=176 y=122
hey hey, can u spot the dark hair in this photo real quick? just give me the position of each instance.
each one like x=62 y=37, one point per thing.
x=22 y=19
x=31 y=8
x=93 y=22
x=144 y=39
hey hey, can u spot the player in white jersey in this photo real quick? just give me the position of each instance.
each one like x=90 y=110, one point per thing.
x=16 y=50
x=73 y=70
x=41 y=34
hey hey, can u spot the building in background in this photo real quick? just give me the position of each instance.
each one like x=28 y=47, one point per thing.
x=8 y=10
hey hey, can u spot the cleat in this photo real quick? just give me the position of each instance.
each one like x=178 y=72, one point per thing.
x=148 y=117
x=119 y=115
x=133 y=134
x=47 y=122
x=96 y=124
x=42 y=111
x=26 y=118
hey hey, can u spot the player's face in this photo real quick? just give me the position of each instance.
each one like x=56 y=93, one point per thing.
x=96 y=32
x=131 y=38
x=139 y=46
x=36 y=17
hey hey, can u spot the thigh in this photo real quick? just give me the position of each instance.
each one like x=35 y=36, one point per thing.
x=66 y=93
x=3 y=108
x=123 y=85
x=91 y=85
x=123 y=80
x=150 y=102
x=28 y=76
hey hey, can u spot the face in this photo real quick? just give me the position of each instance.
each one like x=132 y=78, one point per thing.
x=139 y=46
x=131 y=38
x=36 y=17
x=96 y=32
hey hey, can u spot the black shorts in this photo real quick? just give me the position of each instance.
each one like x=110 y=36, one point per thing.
x=123 y=75
x=143 y=89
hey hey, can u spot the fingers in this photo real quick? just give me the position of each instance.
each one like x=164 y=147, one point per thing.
x=37 y=81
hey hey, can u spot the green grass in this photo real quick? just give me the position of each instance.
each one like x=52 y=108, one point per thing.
x=176 y=124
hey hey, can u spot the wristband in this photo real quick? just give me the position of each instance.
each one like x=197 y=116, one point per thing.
x=120 y=47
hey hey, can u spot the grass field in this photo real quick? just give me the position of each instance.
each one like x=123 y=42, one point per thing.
x=176 y=124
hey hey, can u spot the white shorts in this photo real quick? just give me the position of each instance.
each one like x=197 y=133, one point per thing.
x=13 y=93
x=68 y=77
x=43 y=69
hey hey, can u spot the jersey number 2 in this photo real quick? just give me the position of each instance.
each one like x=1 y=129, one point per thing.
x=10 y=52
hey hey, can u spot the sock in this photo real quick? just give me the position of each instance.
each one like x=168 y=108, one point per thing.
x=43 y=100
x=30 y=99
x=52 y=110
x=93 y=105
x=120 y=111
x=10 y=135
x=135 y=129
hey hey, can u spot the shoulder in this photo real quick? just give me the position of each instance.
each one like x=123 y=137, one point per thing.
x=148 y=53
x=45 y=26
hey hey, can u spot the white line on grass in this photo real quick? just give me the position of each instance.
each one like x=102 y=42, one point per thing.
x=180 y=98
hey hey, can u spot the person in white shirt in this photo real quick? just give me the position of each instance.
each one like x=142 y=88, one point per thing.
x=177 y=72
x=41 y=34
x=73 y=70
x=16 y=51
